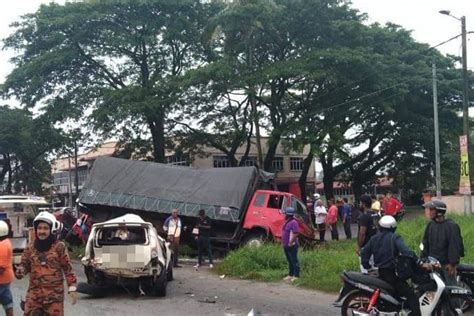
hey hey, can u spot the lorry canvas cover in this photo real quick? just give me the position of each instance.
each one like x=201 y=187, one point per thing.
x=148 y=186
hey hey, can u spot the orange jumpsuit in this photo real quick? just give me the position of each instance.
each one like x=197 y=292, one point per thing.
x=45 y=294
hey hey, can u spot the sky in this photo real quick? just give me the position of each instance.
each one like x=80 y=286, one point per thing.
x=420 y=16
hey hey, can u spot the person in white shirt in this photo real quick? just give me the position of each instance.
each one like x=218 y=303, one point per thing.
x=173 y=227
x=320 y=214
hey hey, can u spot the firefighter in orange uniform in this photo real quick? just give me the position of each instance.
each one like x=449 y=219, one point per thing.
x=47 y=261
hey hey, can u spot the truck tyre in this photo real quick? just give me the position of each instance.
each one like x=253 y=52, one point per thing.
x=255 y=239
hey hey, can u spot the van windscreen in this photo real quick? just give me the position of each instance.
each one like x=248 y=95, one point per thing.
x=122 y=235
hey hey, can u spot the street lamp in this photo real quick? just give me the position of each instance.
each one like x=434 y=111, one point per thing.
x=467 y=198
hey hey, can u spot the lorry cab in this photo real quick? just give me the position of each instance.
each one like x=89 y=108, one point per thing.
x=264 y=214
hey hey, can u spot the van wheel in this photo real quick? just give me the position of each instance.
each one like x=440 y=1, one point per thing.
x=169 y=273
x=159 y=288
x=255 y=239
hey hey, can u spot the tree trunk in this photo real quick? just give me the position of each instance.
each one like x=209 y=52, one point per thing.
x=9 y=181
x=157 y=129
x=328 y=173
x=273 y=142
x=357 y=189
x=304 y=174
x=5 y=167
x=328 y=181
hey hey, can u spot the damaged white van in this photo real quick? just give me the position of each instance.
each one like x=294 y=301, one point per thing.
x=127 y=251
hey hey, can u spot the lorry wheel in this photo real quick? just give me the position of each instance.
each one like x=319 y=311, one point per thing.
x=255 y=239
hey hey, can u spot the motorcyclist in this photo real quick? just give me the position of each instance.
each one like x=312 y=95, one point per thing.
x=383 y=246
x=442 y=240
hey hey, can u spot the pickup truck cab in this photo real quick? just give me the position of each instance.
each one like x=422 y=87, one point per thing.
x=264 y=218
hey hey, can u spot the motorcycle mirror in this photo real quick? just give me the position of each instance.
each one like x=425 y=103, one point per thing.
x=422 y=247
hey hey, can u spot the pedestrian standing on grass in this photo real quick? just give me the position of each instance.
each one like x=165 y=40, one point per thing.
x=320 y=214
x=331 y=219
x=442 y=240
x=289 y=240
x=347 y=218
x=367 y=228
x=173 y=227
x=203 y=237
x=6 y=269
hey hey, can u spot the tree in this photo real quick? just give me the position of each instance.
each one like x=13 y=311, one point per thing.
x=24 y=147
x=121 y=61
x=265 y=55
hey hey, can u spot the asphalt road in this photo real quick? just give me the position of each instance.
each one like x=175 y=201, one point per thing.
x=200 y=293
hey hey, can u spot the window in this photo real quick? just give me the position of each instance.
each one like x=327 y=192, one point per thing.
x=277 y=164
x=296 y=163
x=250 y=161
x=300 y=209
x=259 y=200
x=221 y=162
x=276 y=201
x=123 y=235
x=178 y=160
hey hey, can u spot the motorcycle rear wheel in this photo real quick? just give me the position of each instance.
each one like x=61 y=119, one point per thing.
x=357 y=301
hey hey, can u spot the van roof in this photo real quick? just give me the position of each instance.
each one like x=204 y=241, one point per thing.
x=125 y=219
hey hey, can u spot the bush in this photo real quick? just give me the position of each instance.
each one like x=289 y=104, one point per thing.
x=322 y=266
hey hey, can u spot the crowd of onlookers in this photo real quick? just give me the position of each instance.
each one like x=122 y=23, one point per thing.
x=328 y=214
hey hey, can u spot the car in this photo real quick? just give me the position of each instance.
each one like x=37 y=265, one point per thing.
x=127 y=251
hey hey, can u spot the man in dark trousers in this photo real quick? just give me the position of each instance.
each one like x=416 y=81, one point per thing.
x=347 y=218
x=382 y=248
x=203 y=238
x=367 y=227
x=442 y=240
x=173 y=227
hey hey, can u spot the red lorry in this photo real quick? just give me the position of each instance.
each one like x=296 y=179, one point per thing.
x=241 y=201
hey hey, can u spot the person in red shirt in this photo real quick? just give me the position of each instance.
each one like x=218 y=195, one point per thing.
x=6 y=269
x=331 y=219
x=391 y=205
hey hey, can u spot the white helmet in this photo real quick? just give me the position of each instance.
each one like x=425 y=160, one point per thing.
x=4 y=229
x=50 y=219
x=388 y=222
x=316 y=196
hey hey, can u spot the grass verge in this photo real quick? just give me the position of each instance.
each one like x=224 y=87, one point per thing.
x=321 y=267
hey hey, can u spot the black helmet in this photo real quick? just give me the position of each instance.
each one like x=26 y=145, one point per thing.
x=438 y=205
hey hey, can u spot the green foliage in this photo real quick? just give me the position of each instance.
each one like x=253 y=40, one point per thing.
x=121 y=61
x=321 y=267
x=25 y=143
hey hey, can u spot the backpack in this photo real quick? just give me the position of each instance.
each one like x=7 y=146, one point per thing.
x=405 y=266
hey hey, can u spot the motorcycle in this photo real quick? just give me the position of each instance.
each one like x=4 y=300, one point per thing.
x=465 y=280
x=367 y=295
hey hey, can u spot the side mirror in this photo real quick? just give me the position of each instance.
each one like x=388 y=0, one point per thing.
x=422 y=247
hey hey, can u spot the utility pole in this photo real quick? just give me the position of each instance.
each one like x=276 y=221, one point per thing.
x=465 y=112
x=69 y=182
x=436 y=132
x=76 y=176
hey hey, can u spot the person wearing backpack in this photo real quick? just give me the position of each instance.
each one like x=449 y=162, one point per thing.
x=385 y=247
x=442 y=240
